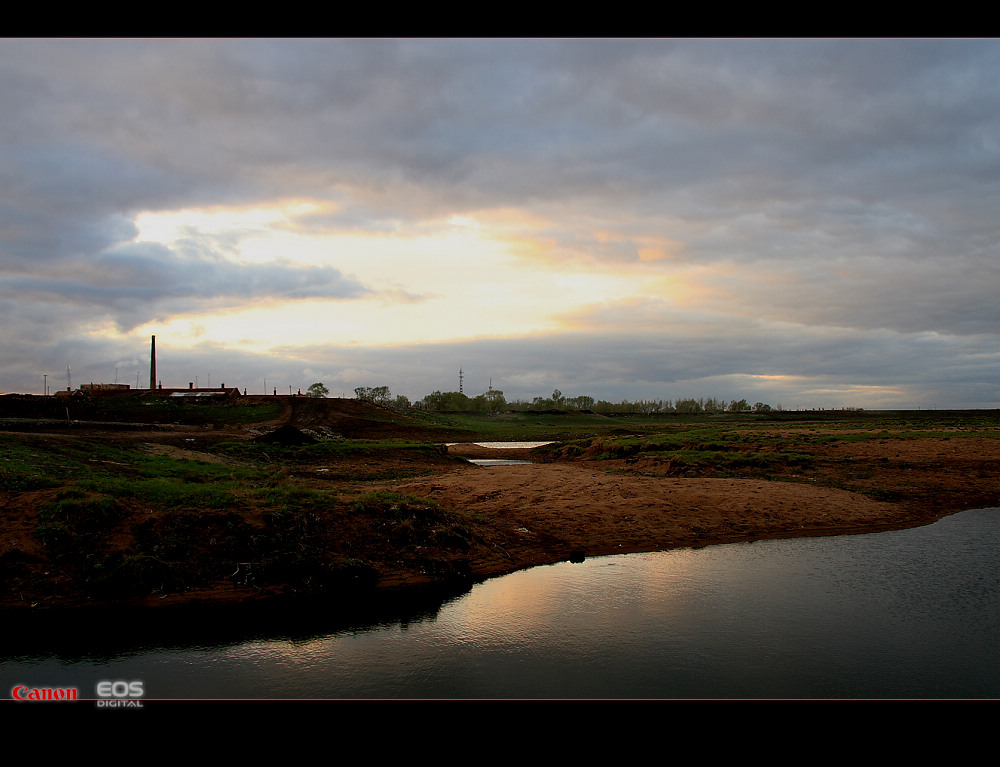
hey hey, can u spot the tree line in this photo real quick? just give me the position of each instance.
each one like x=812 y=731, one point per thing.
x=493 y=401
x=700 y=405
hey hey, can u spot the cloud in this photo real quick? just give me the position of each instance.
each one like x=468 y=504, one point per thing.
x=819 y=210
x=695 y=357
x=139 y=282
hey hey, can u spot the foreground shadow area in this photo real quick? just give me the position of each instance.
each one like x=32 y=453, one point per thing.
x=99 y=634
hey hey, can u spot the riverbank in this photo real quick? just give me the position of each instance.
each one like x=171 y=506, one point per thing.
x=226 y=515
x=796 y=482
x=553 y=512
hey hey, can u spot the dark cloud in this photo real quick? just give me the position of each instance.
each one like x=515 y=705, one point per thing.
x=140 y=282
x=839 y=196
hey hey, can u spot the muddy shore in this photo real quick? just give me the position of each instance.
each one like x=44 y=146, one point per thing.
x=608 y=507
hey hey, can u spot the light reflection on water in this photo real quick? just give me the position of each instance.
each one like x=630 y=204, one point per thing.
x=502 y=445
x=913 y=613
x=511 y=445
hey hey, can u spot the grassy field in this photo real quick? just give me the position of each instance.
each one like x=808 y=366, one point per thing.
x=827 y=424
x=118 y=522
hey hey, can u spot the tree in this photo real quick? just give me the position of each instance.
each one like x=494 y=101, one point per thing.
x=449 y=400
x=582 y=402
x=380 y=395
x=688 y=406
x=317 y=390
x=495 y=400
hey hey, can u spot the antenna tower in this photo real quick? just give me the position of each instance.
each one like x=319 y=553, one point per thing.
x=460 y=380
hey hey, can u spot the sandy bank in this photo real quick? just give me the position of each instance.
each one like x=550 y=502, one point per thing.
x=551 y=510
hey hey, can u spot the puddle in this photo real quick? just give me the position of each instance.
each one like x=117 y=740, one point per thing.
x=503 y=445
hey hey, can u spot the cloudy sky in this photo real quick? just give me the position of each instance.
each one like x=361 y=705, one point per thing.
x=805 y=223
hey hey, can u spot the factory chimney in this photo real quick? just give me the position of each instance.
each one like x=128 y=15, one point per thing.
x=152 y=364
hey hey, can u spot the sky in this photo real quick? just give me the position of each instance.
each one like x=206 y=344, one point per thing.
x=806 y=223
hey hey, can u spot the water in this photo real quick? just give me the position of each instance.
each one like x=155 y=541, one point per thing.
x=912 y=613
x=490 y=462
x=505 y=445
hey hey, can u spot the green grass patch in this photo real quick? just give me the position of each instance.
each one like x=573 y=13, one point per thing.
x=172 y=493
x=318 y=452
x=74 y=515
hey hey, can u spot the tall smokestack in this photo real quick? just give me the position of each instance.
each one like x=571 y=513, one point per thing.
x=152 y=364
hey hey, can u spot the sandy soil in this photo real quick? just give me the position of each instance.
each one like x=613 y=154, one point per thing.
x=558 y=509
x=621 y=506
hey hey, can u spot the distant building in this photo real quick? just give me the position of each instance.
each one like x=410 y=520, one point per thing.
x=118 y=390
x=219 y=392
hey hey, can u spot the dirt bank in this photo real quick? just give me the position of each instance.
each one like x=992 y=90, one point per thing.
x=646 y=503
x=550 y=511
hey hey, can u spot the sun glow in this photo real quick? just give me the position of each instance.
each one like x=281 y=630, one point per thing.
x=171 y=226
x=459 y=277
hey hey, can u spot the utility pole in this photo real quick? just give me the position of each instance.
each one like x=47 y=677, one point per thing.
x=45 y=377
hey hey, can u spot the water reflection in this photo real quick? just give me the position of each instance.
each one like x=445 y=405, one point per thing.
x=913 y=613
x=504 y=445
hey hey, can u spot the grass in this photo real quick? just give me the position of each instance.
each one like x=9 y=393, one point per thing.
x=75 y=515
x=826 y=425
x=142 y=409
x=779 y=447
x=26 y=465
x=318 y=452
x=123 y=523
x=520 y=426
x=116 y=521
x=413 y=521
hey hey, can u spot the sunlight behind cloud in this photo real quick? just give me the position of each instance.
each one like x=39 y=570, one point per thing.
x=169 y=226
x=450 y=279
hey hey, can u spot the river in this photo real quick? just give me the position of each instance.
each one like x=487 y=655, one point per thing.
x=910 y=613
